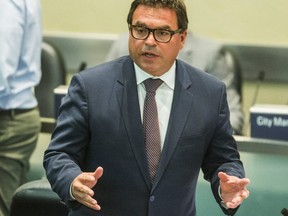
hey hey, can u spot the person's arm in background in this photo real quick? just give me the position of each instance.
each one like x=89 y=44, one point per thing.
x=221 y=69
x=9 y=51
x=206 y=54
x=20 y=52
x=119 y=47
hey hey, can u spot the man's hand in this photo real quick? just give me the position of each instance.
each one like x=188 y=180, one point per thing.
x=82 y=185
x=233 y=189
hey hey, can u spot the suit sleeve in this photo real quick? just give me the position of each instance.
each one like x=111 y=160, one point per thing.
x=64 y=157
x=222 y=154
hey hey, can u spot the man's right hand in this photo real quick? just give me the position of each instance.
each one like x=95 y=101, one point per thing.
x=82 y=185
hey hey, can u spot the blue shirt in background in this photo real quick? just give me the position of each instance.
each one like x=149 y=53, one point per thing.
x=20 y=48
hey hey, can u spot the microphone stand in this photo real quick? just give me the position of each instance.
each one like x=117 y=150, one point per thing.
x=284 y=212
x=260 y=79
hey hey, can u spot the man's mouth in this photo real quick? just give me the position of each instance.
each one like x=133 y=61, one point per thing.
x=149 y=55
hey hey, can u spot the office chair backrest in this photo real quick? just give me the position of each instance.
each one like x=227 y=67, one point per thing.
x=53 y=75
x=36 y=198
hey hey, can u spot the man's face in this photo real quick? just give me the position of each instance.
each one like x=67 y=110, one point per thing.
x=152 y=56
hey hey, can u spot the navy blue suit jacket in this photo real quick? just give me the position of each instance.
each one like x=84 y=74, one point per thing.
x=100 y=125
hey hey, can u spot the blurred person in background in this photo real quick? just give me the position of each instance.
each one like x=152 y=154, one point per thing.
x=20 y=72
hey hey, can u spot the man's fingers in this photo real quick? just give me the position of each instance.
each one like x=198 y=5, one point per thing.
x=89 y=202
x=245 y=193
x=244 y=182
x=232 y=205
x=84 y=190
x=84 y=195
x=90 y=179
x=80 y=190
x=98 y=173
x=94 y=205
x=239 y=183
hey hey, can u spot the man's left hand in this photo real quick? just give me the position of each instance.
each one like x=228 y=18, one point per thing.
x=233 y=189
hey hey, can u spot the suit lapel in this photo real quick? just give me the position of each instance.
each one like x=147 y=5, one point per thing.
x=181 y=106
x=127 y=95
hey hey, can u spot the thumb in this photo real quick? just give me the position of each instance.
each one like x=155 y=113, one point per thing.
x=98 y=173
x=223 y=176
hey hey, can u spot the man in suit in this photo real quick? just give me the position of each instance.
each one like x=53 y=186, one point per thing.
x=207 y=55
x=99 y=158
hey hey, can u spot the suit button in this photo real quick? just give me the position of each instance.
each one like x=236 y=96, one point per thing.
x=152 y=198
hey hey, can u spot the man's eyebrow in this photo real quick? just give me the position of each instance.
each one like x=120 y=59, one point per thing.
x=164 y=27
x=138 y=23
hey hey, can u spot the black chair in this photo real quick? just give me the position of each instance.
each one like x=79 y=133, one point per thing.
x=36 y=198
x=53 y=75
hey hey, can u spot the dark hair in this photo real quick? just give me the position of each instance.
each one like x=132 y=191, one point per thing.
x=177 y=5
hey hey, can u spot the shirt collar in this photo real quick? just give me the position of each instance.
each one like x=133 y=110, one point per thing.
x=168 y=77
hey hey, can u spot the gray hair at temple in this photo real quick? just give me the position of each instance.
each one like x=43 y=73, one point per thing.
x=177 y=5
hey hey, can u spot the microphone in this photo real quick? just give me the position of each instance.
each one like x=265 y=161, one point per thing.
x=284 y=212
x=261 y=76
x=82 y=66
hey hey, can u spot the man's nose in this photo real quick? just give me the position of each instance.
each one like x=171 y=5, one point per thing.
x=150 y=40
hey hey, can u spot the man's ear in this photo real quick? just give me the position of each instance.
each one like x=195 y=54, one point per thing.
x=183 y=38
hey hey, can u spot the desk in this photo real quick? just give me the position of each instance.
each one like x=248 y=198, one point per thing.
x=256 y=145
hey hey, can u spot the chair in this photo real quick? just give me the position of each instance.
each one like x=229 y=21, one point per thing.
x=53 y=75
x=36 y=198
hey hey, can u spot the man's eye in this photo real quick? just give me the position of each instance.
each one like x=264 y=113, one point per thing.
x=163 y=32
x=140 y=30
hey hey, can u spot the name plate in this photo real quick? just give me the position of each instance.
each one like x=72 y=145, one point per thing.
x=269 y=121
